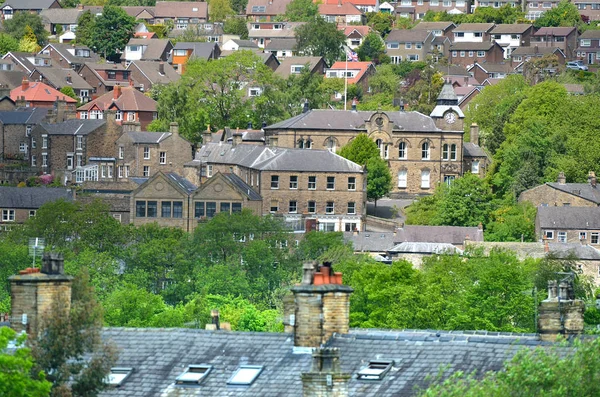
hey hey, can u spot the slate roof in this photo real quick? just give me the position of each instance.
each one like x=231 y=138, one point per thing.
x=242 y=186
x=271 y=7
x=564 y=250
x=468 y=46
x=158 y=356
x=155 y=48
x=425 y=248
x=61 y=15
x=274 y=158
x=181 y=9
x=31 y=197
x=199 y=50
x=285 y=65
x=27 y=116
x=474 y=27
x=65 y=51
x=181 y=182
x=570 y=218
x=551 y=31
x=281 y=44
x=511 y=28
x=11 y=78
x=473 y=150
x=22 y=58
x=371 y=241
x=245 y=43
x=39 y=92
x=583 y=190
x=433 y=25
x=28 y=4
x=129 y=100
x=348 y=120
x=73 y=127
x=148 y=137
x=407 y=35
x=57 y=77
x=150 y=69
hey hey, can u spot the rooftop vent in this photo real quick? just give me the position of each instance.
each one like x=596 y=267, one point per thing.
x=376 y=370
x=245 y=375
x=193 y=375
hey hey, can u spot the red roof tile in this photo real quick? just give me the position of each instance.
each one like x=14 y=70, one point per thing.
x=361 y=66
x=336 y=9
x=38 y=92
x=129 y=99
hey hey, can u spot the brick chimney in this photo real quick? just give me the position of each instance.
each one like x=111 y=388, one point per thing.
x=325 y=378
x=36 y=293
x=321 y=306
x=24 y=84
x=475 y=134
x=560 y=313
x=116 y=92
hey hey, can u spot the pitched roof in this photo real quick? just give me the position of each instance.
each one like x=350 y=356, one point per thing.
x=67 y=51
x=566 y=250
x=425 y=248
x=147 y=137
x=361 y=29
x=151 y=70
x=576 y=218
x=28 y=4
x=355 y=2
x=474 y=27
x=362 y=68
x=493 y=67
x=31 y=197
x=59 y=77
x=242 y=186
x=160 y=355
x=25 y=116
x=281 y=44
x=285 y=65
x=511 y=28
x=336 y=9
x=434 y=25
x=590 y=34
x=185 y=9
x=583 y=190
x=469 y=46
x=287 y=31
x=473 y=150
x=535 y=50
x=134 y=11
x=39 y=92
x=348 y=120
x=129 y=100
x=554 y=31
x=577 y=89
x=199 y=49
x=407 y=35
x=245 y=43
x=72 y=127
x=155 y=48
x=12 y=78
x=181 y=182
x=22 y=58
x=61 y=15
x=266 y=7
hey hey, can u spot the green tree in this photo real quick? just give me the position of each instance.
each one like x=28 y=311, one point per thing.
x=379 y=179
x=16 y=377
x=237 y=26
x=320 y=38
x=85 y=27
x=512 y=222
x=564 y=14
x=466 y=202
x=111 y=31
x=381 y=22
x=68 y=342
x=239 y=6
x=372 y=48
x=219 y=10
x=423 y=87
x=70 y=92
x=28 y=42
x=301 y=11
x=360 y=150
x=8 y=43
x=17 y=27
x=385 y=81
x=305 y=86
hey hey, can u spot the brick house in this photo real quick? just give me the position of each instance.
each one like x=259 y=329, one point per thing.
x=265 y=10
x=130 y=105
x=561 y=193
x=409 y=44
x=468 y=53
x=69 y=56
x=437 y=28
x=363 y=5
x=147 y=73
x=18 y=204
x=355 y=34
x=143 y=154
x=15 y=129
x=563 y=38
x=294 y=65
x=342 y=14
x=10 y=7
x=356 y=73
x=58 y=78
x=524 y=54
x=308 y=188
x=261 y=33
x=484 y=71
x=512 y=36
x=535 y=8
x=588 y=47
x=147 y=50
x=568 y=225
x=103 y=77
x=419 y=8
x=183 y=14
x=22 y=61
x=38 y=94
x=63 y=18
x=589 y=9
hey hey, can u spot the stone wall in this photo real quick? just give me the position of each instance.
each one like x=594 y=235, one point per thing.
x=547 y=195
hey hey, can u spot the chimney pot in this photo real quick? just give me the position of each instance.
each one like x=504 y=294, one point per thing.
x=174 y=127
x=561 y=178
x=24 y=84
x=215 y=319
x=53 y=263
x=117 y=92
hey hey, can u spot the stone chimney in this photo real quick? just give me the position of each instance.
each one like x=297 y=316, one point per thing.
x=216 y=324
x=131 y=126
x=174 y=128
x=116 y=92
x=24 y=84
x=560 y=313
x=36 y=294
x=325 y=378
x=475 y=134
x=561 y=178
x=321 y=306
x=4 y=91
x=592 y=178
x=236 y=138
x=207 y=135
x=20 y=102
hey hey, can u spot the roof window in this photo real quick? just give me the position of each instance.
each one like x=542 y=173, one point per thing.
x=245 y=375
x=193 y=375
x=376 y=370
x=118 y=375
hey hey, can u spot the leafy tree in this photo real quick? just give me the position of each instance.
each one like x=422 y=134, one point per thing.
x=12 y=257
x=305 y=86
x=8 y=43
x=85 y=27
x=70 y=92
x=315 y=244
x=360 y=150
x=512 y=222
x=68 y=342
x=380 y=22
x=423 y=87
x=564 y=14
x=16 y=377
x=385 y=81
x=301 y=11
x=29 y=42
x=239 y=6
x=466 y=202
x=17 y=27
x=379 y=179
x=320 y=38
x=111 y=31
x=372 y=48
x=220 y=10
x=237 y=26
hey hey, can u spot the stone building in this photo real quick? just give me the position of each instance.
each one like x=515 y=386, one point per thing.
x=421 y=151
x=19 y=204
x=15 y=129
x=569 y=225
x=561 y=193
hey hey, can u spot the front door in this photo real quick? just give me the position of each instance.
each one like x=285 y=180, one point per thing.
x=590 y=58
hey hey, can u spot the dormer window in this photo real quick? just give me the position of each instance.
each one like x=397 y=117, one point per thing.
x=193 y=375
x=118 y=376
x=376 y=370
x=277 y=26
x=245 y=375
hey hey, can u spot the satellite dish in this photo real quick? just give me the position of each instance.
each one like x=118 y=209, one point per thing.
x=36 y=247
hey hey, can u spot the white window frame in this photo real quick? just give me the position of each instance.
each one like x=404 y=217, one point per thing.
x=425 y=179
x=402 y=179
x=561 y=236
x=162 y=157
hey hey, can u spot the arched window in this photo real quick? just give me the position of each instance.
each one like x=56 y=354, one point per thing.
x=379 y=144
x=301 y=143
x=402 y=152
x=445 y=152
x=453 y=152
x=330 y=144
x=308 y=144
x=386 y=152
x=425 y=151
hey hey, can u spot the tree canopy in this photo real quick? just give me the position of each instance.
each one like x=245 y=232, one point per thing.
x=20 y=25
x=301 y=11
x=320 y=38
x=360 y=150
x=111 y=32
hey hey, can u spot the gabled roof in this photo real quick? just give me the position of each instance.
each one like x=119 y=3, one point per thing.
x=407 y=35
x=511 y=28
x=39 y=92
x=590 y=34
x=59 y=77
x=28 y=4
x=281 y=44
x=493 y=67
x=67 y=51
x=145 y=137
x=151 y=70
x=362 y=68
x=73 y=127
x=554 y=31
x=27 y=116
x=129 y=100
x=285 y=65
x=199 y=50
x=134 y=11
x=474 y=27
x=473 y=150
x=434 y=25
x=22 y=58
x=348 y=120
x=575 y=218
x=537 y=51
x=183 y=9
x=336 y=9
x=583 y=190
x=155 y=48
x=31 y=197
x=470 y=46
x=181 y=182
x=360 y=29
x=236 y=183
x=266 y=7
x=61 y=15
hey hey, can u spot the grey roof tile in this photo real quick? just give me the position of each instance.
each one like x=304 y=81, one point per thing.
x=473 y=150
x=73 y=127
x=576 y=218
x=31 y=197
x=584 y=190
x=29 y=116
x=148 y=137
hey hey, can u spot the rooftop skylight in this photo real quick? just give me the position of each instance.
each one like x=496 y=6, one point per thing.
x=376 y=370
x=118 y=375
x=193 y=375
x=245 y=375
